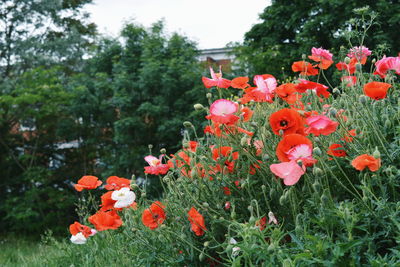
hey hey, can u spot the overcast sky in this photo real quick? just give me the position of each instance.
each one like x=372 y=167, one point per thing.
x=211 y=23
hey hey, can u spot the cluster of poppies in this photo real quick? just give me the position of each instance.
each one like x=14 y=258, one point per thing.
x=295 y=126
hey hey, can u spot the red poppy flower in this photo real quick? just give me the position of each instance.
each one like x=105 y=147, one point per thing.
x=116 y=183
x=337 y=150
x=376 y=90
x=349 y=137
x=104 y=220
x=320 y=89
x=222 y=111
x=154 y=216
x=323 y=56
x=76 y=228
x=216 y=80
x=363 y=161
x=387 y=63
x=262 y=223
x=288 y=93
x=247 y=113
x=197 y=222
x=240 y=82
x=225 y=152
x=287 y=120
x=87 y=182
x=192 y=146
x=289 y=142
x=305 y=68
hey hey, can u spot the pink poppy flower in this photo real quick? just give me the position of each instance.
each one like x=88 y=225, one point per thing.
x=320 y=124
x=360 y=53
x=349 y=80
x=222 y=111
x=386 y=64
x=265 y=90
x=290 y=172
x=216 y=80
x=301 y=152
x=156 y=167
x=323 y=56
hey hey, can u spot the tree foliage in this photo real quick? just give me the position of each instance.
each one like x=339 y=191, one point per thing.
x=291 y=28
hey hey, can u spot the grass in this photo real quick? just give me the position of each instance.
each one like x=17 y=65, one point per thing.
x=23 y=251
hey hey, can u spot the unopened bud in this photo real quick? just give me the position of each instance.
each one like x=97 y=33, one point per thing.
x=362 y=99
x=376 y=153
x=317 y=171
x=243 y=141
x=304 y=56
x=166 y=179
x=336 y=91
x=263 y=188
x=333 y=112
x=233 y=215
x=358 y=67
x=206 y=244
x=282 y=200
x=150 y=146
x=143 y=195
x=187 y=124
x=265 y=157
x=281 y=132
x=347 y=60
x=205 y=204
x=388 y=123
x=202 y=256
x=324 y=199
x=198 y=106
x=316 y=186
x=163 y=151
x=317 y=151
x=250 y=208
x=373 y=61
x=252 y=220
x=208 y=95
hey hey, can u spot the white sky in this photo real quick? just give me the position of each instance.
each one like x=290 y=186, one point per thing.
x=211 y=23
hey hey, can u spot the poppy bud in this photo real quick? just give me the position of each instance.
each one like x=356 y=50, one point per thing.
x=166 y=179
x=347 y=60
x=324 y=199
x=317 y=151
x=373 y=61
x=362 y=99
x=265 y=157
x=206 y=244
x=388 y=123
x=150 y=146
x=198 y=106
x=271 y=247
x=163 y=151
x=252 y=220
x=333 y=112
x=187 y=124
x=336 y=91
x=317 y=171
x=263 y=188
x=233 y=215
x=205 y=204
x=376 y=153
x=208 y=95
x=287 y=263
x=282 y=200
x=202 y=256
x=250 y=208
x=243 y=141
x=304 y=56
x=358 y=67
x=272 y=192
x=143 y=195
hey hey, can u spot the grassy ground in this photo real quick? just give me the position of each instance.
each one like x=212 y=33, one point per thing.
x=22 y=251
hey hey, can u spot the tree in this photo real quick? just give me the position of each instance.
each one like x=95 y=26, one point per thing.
x=291 y=28
x=43 y=32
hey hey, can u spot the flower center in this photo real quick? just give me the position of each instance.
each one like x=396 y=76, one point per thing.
x=283 y=123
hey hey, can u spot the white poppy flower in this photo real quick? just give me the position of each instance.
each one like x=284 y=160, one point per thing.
x=124 y=197
x=78 y=239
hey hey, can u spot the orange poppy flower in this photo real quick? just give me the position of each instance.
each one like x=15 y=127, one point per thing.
x=247 y=113
x=305 y=68
x=287 y=143
x=365 y=160
x=154 y=216
x=87 y=182
x=104 y=220
x=376 y=90
x=76 y=228
x=287 y=120
x=240 y=82
x=288 y=93
x=337 y=150
x=116 y=183
x=197 y=222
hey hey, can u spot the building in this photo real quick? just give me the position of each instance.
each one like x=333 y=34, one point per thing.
x=215 y=57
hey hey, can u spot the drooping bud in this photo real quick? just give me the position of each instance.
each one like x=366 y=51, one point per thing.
x=388 y=123
x=209 y=95
x=163 y=151
x=362 y=99
x=304 y=56
x=206 y=244
x=150 y=146
x=333 y=112
x=336 y=91
x=198 y=106
x=187 y=124
x=317 y=171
